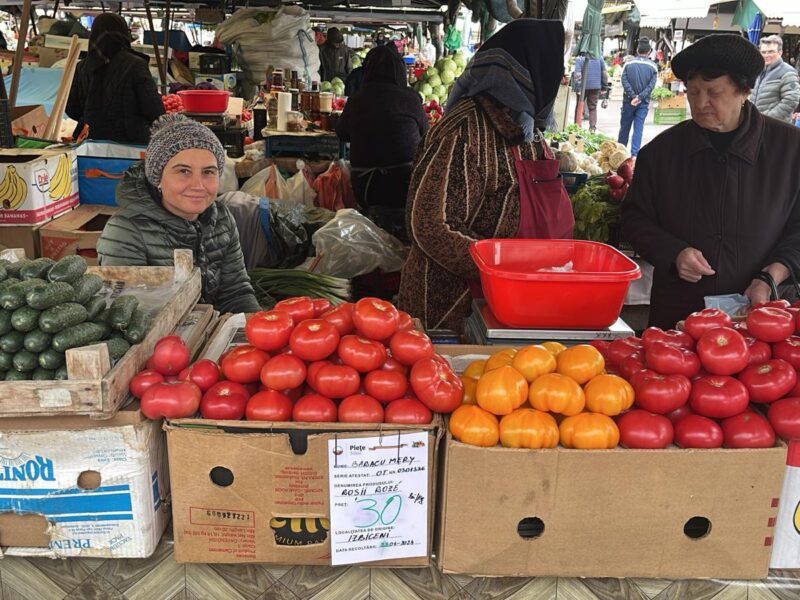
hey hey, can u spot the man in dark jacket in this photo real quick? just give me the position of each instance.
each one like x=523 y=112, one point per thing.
x=777 y=90
x=334 y=56
x=712 y=204
x=639 y=76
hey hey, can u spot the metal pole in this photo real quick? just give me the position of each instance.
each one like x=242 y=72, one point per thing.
x=20 y=52
x=166 y=44
x=155 y=46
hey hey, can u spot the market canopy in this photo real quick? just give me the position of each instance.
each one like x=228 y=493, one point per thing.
x=658 y=13
x=788 y=11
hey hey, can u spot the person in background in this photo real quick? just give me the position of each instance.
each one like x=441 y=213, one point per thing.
x=168 y=202
x=777 y=90
x=355 y=80
x=596 y=80
x=113 y=91
x=639 y=76
x=334 y=57
x=713 y=206
x=384 y=123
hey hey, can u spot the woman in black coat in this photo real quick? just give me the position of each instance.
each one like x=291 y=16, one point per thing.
x=384 y=123
x=113 y=91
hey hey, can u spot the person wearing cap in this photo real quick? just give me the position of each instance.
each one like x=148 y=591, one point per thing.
x=713 y=205
x=168 y=202
x=777 y=90
x=639 y=77
x=334 y=57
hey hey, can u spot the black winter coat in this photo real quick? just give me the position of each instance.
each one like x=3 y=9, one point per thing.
x=740 y=208
x=118 y=100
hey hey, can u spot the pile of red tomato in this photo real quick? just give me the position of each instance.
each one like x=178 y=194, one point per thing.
x=172 y=103
x=307 y=361
x=698 y=387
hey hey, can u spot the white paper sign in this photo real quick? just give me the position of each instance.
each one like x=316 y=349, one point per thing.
x=378 y=497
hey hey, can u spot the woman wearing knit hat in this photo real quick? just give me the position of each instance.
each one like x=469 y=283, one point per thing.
x=168 y=201
x=715 y=201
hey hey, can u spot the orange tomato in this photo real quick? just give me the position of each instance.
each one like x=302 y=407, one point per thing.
x=528 y=428
x=557 y=393
x=501 y=390
x=534 y=361
x=500 y=359
x=581 y=362
x=470 y=385
x=475 y=369
x=589 y=431
x=608 y=394
x=554 y=348
x=472 y=425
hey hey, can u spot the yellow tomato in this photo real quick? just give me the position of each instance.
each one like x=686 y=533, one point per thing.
x=534 y=361
x=554 y=348
x=589 y=431
x=475 y=369
x=557 y=393
x=608 y=394
x=470 y=385
x=472 y=425
x=501 y=390
x=529 y=428
x=500 y=359
x=581 y=363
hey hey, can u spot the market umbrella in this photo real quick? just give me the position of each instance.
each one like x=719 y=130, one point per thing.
x=591 y=46
x=748 y=17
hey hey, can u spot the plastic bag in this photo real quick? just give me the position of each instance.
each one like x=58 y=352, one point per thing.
x=267 y=183
x=228 y=182
x=333 y=187
x=452 y=39
x=300 y=186
x=733 y=304
x=350 y=245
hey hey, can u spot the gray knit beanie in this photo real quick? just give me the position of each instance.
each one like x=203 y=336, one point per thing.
x=174 y=133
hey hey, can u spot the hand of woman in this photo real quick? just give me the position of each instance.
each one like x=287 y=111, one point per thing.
x=692 y=265
x=757 y=292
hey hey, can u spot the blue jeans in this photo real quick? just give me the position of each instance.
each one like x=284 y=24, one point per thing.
x=632 y=115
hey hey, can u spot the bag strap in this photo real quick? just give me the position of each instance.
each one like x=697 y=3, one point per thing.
x=547 y=153
x=767 y=278
x=792 y=274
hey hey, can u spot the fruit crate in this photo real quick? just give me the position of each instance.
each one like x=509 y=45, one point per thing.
x=573 y=181
x=669 y=116
x=93 y=386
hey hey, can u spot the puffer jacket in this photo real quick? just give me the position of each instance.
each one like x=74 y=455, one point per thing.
x=143 y=232
x=777 y=91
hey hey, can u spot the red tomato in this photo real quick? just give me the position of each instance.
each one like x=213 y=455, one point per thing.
x=631 y=364
x=313 y=369
x=661 y=393
x=313 y=408
x=392 y=365
x=360 y=408
x=700 y=322
x=170 y=356
x=225 y=400
x=385 y=386
x=642 y=429
x=321 y=306
x=204 y=373
x=376 y=319
x=143 y=380
x=405 y=322
x=770 y=324
x=314 y=339
x=435 y=384
x=748 y=430
x=677 y=414
x=362 y=354
x=723 y=351
x=243 y=364
x=784 y=416
x=283 y=372
x=759 y=351
x=784 y=304
x=788 y=350
x=695 y=431
x=618 y=350
x=170 y=400
x=269 y=406
x=602 y=347
x=673 y=337
x=337 y=381
x=341 y=317
x=408 y=411
x=719 y=396
x=269 y=330
x=769 y=381
x=301 y=308
x=149 y=366
x=671 y=360
x=410 y=346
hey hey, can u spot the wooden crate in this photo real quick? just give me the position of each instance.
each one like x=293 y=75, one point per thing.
x=94 y=387
x=669 y=116
x=674 y=102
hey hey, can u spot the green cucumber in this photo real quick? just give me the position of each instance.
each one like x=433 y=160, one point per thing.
x=13 y=375
x=121 y=311
x=138 y=326
x=76 y=336
x=12 y=342
x=3 y=272
x=47 y=296
x=40 y=374
x=36 y=269
x=7 y=283
x=87 y=286
x=15 y=267
x=117 y=347
x=25 y=361
x=62 y=316
x=51 y=359
x=12 y=297
x=60 y=373
x=68 y=269
x=37 y=341
x=6 y=361
x=25 y=319
x=94 y=307
x=5 y=321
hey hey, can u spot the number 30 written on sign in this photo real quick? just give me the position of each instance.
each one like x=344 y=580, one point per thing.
x=392 y=503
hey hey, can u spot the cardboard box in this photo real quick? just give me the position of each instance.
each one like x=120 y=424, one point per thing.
x=72 y=486
x=36 y=185
x=671 y=514
x=50 y=56
x=225 y=82
x=674 y=102
x=29 y=121
x=21 y=236
x=75 y=232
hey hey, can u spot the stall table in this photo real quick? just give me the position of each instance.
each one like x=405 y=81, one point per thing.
x=305 y=143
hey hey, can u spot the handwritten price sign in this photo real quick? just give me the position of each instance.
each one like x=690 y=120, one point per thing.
x=378 y=494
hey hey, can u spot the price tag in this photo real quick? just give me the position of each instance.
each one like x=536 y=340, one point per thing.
x=581 y=146
x=378 y=497
x=572 y=139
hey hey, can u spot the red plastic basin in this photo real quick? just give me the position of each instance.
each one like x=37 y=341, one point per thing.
x=590 y=296
x=204 y=101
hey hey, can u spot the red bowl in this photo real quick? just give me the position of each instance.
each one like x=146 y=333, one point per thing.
x=204 y=101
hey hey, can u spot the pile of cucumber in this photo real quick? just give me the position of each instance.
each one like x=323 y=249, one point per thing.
x=48 y=307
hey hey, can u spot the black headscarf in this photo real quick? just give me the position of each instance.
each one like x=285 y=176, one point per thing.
x=383 y=64
x=109 y=35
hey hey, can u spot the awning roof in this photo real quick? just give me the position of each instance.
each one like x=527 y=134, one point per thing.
x=781 y=9
x=657 y=13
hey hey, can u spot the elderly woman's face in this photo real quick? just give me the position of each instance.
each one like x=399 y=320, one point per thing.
x=716 y=104
x=190 y=183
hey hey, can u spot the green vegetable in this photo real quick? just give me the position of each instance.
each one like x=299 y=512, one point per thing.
x=117 y=347
x=272 y=285
x=37 y=341
x=60 y=373
x=68 y=269
x=121 y=311
x=14 y=375
x=6 y=360
x=661 y=92
x=87 y=286
x=36 y=269
x=15 y=267
x=46 y=296
x=76 y=336
x=25 y=361
x=12 y=297
x=12 y=342
x=95 y=306
x=25 y=319
x=7 y=283
x=3 y=272
x=40 y=374
x=62 y=316
x=595 y=214
x=51 y=359
x=5 y=321
x=138 y=326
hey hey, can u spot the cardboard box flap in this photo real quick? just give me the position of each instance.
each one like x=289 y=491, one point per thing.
x=129 y=415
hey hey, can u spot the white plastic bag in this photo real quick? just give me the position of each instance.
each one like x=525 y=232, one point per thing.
x=350 y=245
x=267 y=183
x=299 y=186
x=228 y=182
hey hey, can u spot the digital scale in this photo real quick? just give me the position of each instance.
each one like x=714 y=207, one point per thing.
x=483 y=328
x=228 y=129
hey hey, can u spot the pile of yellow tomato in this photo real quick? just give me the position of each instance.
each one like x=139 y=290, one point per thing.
x=542 y=395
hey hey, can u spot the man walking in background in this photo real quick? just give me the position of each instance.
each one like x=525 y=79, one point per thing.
x=777 y=90
x=639 y=76
x=596 y=80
